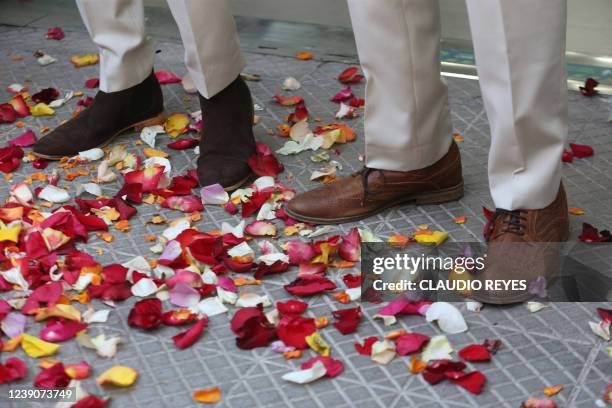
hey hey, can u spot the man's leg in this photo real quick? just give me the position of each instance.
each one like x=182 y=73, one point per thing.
x=410 y=154
x=129 y=93
x=520 y=51
x=214 y=61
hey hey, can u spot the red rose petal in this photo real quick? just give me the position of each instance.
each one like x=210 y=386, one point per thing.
x=410 y=343
x=333 y=368
x=146 y=314
x=52 y=377
x=92 y=83
x=190 y=336
x=581 y=151
x=13 y=369
x=291 y=307
x=350 y=76
x=475 y=353
x=473 y=382
x=348 y=320
x=167 y=77
x=185 y=143
x=265 y=164
x=309 y=285
x=56 y=332
x=366 y=348
x=55 y=33
x=252 y=328
x=293 y=329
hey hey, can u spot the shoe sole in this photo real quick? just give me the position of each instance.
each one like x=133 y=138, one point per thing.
x=137 y=127
x=247 y=180
x=431 y=197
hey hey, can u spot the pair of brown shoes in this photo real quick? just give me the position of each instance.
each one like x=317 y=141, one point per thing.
x=523 y=245
x=226 y=142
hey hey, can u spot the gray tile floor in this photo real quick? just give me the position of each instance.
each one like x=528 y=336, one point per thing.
x=551 y=347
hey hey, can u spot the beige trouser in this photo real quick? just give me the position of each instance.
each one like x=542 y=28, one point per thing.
x=212 y=51
x=520 y=49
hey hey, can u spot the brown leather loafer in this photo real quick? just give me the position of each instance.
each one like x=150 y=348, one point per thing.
x=523 y=245
x=108 y=116
x=371 y=191
x=227 y=139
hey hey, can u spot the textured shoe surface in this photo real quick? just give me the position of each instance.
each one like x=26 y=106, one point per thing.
x=109 y=115
x=227 y=139
x=371 y=191
x=524 y=245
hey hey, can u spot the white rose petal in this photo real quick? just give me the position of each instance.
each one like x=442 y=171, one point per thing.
x=306 y=376
x=54 y=194
x=438 y=348
x=144 y=287
x=449 y=318
x=383 y=352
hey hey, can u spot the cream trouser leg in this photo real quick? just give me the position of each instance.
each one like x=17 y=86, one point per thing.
x=520 y=50
x=212 y=51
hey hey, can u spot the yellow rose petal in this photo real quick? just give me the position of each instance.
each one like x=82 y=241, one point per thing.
x=208 y=395
x=432 y=237
x=318 y=344
x=42 y=109
x=176 y=124
x=83 y=60
x=154 y=152
x=9 y=233
x=120 y=376
x=35 y=347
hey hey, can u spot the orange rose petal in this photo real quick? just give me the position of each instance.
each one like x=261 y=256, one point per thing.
x=208 y=395
x=288 y=355
x=342 y=297
x=304 y=55
x=553 y=390
x=460 y=219
x=12 y=344
x=123 y=226
x=47 y=362
x=395 y=334
x=576 y=211
x=416 y=366
x=321 y=322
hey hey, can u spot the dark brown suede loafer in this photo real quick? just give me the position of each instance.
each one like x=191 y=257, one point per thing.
x=227 y=140
x=371 y=191
x=110 y=114
x=523 y=246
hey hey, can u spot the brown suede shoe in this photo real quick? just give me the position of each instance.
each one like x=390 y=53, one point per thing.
x=227 y=139
x=523 y=245
x=108 y=116
x=371 y=191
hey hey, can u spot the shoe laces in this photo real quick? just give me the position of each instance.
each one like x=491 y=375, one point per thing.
x=513 y=222
x=365 y=174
